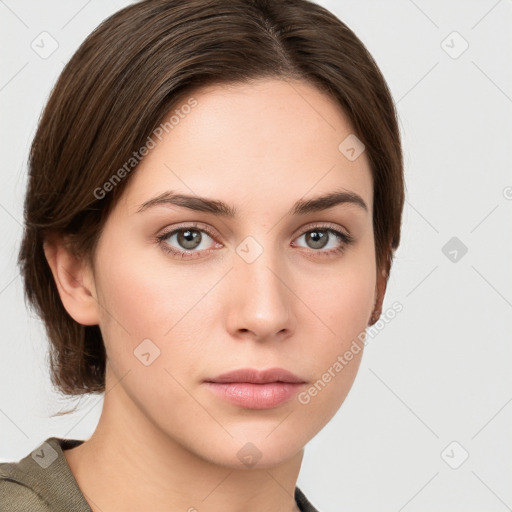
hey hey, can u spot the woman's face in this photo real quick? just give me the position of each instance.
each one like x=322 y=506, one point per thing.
x=263 y=284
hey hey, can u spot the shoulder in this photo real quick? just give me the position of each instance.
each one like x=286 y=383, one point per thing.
x=16 y=495
x=41 y=481
x=303 y=503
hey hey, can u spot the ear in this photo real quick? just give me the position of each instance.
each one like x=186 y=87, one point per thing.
x=380 y=291
x=74 y=280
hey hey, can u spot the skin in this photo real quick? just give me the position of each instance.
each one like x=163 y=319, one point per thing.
x=164 y=441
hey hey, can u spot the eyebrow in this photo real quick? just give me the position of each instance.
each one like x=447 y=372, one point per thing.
x=217 y=207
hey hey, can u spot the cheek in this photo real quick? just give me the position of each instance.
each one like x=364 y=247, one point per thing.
x=335 y=358
x=134 y=301
x=146 y=296
x=343 y=298
x=157 y=302
x=342 y=305
x=349 y=306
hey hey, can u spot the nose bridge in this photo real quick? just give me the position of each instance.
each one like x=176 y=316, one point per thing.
x=259 y=264
x=261 y=301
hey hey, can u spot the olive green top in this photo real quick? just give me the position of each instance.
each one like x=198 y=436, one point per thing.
x=43 y=482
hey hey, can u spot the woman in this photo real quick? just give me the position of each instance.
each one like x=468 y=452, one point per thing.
x=214 y=200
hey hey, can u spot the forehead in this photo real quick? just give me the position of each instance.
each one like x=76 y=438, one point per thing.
x=264 y=140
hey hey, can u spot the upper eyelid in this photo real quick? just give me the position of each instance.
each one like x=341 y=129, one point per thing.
x=197 y=226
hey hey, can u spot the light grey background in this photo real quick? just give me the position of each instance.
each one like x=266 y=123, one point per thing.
x=440 y=371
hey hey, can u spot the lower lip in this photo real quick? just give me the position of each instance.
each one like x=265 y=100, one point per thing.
x=255 y=396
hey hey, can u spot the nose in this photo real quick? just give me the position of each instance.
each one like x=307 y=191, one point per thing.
x=261 y=300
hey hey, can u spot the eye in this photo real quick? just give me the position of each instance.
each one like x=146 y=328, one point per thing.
x=187 y=240
x=326 y=240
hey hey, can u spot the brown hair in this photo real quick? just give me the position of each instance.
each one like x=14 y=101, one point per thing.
x=123 y=80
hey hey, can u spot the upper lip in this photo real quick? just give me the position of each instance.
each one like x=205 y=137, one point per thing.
x=256 y=376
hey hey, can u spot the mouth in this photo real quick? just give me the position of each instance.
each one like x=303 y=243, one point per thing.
x=256 y=389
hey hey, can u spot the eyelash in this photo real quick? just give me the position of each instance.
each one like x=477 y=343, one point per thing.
x=346 y=239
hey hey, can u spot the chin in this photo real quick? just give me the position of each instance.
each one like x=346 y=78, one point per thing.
x=248 y=452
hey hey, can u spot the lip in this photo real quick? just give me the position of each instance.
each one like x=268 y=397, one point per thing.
x=255 y=376
x=256 y=389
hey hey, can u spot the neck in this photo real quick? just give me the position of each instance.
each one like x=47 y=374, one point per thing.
x=130 y=464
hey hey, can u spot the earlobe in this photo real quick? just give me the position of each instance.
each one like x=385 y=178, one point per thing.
x=74 y=282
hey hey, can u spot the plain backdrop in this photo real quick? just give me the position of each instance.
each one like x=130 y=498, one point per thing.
x=427 y=425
